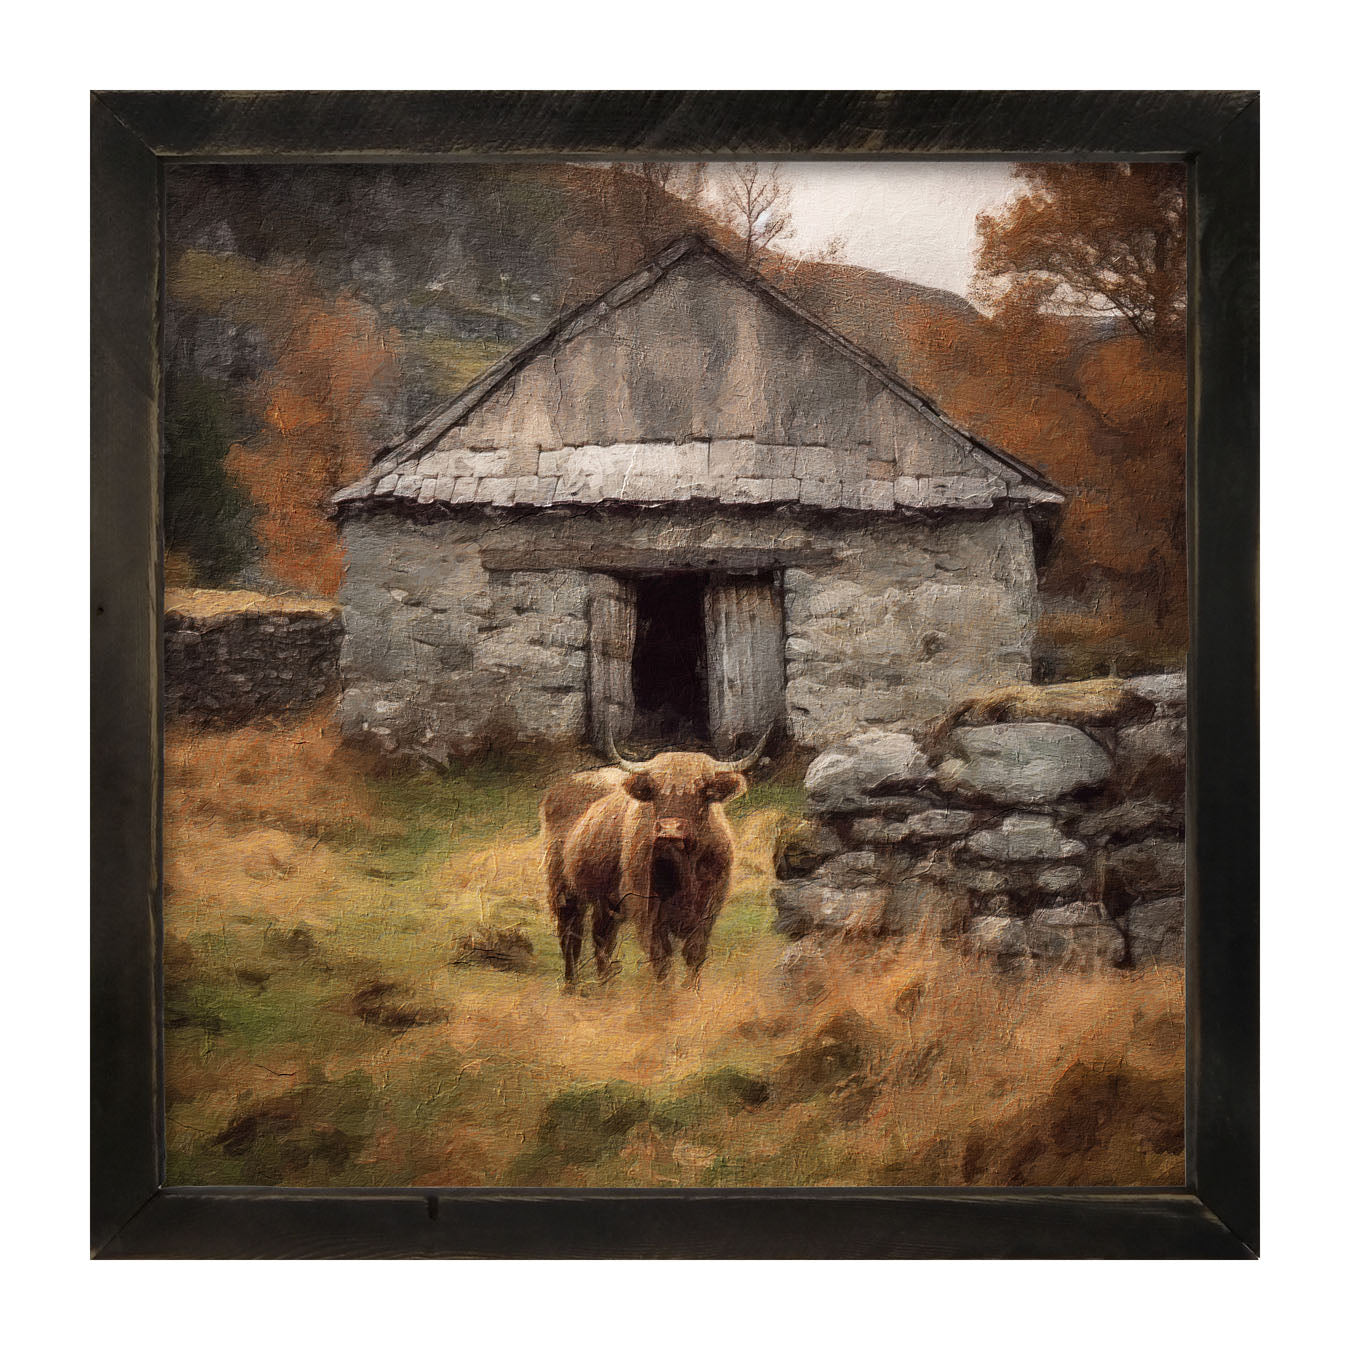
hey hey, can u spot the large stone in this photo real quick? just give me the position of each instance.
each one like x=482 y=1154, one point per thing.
x=801 y=846
x=1023 y=763
x=1128 y=820
x=1166 y=692
x=1060 y=880
x=1001 y=937
x=982 y=882
x=805 y=905
x=1150 y=868
x=868 y=772
x=1151 y=759
x=879 y=830
x=939 y=823
x=1025 y=838
x=1157 y=930
x=922 y=827
x=861 y=867
x=1078 y=937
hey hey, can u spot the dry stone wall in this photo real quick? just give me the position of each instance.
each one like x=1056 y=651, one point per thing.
x=1034 y=843
x=233 y=656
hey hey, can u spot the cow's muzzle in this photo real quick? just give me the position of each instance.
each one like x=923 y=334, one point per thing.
x=672 y=833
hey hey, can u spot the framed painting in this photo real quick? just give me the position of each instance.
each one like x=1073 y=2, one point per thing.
x=674 y=674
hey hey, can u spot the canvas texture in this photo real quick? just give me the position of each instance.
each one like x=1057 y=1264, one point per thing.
x=675 y=675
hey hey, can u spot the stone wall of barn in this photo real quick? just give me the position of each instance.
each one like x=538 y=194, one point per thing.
x=1037 y=843
x=902 y=619
x=442 y=655
x=472 y=625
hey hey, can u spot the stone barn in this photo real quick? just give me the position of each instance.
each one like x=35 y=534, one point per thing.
x=687 y=512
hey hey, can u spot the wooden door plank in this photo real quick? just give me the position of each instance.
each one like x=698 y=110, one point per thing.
x=613 y=635
x=743 y=623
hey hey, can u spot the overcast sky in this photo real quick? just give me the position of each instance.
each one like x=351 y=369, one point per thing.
x=913 y=220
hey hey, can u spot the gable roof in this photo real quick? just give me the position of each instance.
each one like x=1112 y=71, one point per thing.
x=390 y=462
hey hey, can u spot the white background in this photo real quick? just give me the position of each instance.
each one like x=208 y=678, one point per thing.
x=1294 y=1295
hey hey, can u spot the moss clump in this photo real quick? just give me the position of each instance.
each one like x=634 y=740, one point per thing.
x=580 y=1127
x=585 y=1123
x=704 y=1101
x=311 y=1135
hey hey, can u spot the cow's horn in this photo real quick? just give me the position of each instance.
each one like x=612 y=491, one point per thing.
x=750 y=760
x=632 y=765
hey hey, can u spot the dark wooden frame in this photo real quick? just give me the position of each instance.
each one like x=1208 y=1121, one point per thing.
x=134 y=1214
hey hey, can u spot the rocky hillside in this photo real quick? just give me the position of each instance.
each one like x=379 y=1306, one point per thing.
x=461 y=262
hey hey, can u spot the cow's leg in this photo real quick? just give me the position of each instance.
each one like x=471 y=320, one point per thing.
x=605 y=921
x=652 y=931
x=570 y=918
x=695 y=951
x=654 y=935
x=567 y=911
x=659 y=948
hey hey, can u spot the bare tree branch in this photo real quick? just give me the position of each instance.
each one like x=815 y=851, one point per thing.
x=756 y=204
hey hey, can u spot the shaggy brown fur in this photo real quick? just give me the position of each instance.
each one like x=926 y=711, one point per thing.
x=653 y=846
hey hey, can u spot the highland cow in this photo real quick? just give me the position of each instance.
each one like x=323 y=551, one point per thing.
x=646 y=841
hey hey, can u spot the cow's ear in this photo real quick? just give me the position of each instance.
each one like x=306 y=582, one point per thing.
x=726 y=785
x=640 y=787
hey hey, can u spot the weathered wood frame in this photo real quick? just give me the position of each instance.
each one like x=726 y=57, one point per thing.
x=133 y=1214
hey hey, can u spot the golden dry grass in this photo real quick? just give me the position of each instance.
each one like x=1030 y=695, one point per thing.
x=192 y=602
x=323 y=1031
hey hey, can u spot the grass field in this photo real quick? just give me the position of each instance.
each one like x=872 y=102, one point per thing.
x=363 y=988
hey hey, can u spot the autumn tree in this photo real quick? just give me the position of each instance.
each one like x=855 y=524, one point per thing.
x=1092 y=239
x=318 y=406
x=756 y=204
x=1101 y=408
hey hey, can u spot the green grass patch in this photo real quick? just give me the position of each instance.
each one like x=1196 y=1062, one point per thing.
x=775 y=794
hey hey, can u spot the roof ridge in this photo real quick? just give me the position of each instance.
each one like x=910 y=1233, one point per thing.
x=427 y=429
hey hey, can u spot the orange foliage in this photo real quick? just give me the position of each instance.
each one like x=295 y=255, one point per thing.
x=1106 y=239
x=1107 y=423
x=1139 y=390
x=318 y=406
x=1102 y=411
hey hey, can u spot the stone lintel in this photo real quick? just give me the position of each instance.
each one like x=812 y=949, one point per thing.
x=631 y=558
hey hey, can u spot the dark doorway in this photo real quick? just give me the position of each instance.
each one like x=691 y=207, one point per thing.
x=670 y=669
